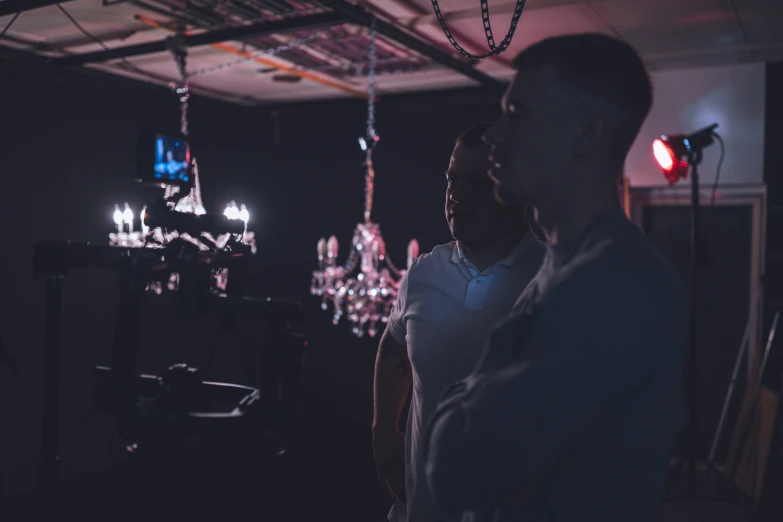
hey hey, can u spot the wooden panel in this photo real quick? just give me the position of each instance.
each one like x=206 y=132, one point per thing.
x=751 y=443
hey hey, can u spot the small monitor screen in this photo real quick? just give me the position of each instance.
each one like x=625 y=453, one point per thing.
x=172 y=160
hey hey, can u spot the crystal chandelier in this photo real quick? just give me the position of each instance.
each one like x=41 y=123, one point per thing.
x=367 y=297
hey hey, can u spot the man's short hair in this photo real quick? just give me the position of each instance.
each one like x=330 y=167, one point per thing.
x=473 y=138
x=601 y=66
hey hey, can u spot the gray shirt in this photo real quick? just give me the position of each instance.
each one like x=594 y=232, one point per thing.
x=569 y=414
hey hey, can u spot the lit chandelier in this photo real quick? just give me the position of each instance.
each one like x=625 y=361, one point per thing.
x=190 y=203
x=145 y=237
x=368 y=297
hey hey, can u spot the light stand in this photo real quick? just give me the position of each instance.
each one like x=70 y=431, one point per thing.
x=677 y=155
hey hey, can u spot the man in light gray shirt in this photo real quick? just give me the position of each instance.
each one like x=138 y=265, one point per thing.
x=570 y=412
x=447 y=303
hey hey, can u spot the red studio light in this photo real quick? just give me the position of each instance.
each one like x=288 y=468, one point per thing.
x=673 y=166
x=674 y=153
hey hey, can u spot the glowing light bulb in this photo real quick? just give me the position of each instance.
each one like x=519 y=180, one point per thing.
x=117 y=216
x=144 y=228
x=663 y=155
x=231 y=212
x=244 y=215
x=127 y=215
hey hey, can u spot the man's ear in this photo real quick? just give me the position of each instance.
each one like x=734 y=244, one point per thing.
x=589 y=136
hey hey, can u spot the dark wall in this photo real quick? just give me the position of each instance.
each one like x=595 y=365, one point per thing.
x=67 y=156
x=773 y=177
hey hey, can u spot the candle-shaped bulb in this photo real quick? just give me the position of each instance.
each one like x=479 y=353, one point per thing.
x=127 y=215
x=117 y=216
x=413 y=251
x=244 y=215
x=231 y=212
x=143 y=218
x=331 y=250
x=321 y=253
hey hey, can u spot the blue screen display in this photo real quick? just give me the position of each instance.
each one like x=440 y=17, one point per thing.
x=172 y=157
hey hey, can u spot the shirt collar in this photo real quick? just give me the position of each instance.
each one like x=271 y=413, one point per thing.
x=515 y=256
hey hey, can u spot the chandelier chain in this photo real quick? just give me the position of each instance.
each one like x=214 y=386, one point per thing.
x=372 y=138
x=494 y=49
x=176 y=45
x=371 y=85
x=179 y=50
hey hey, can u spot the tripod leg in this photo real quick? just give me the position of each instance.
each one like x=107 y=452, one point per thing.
x=48 y=471
x=729 y=484
x=674 y=472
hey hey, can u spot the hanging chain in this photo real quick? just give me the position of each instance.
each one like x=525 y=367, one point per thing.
x=371 y=88
x=178 y=48
x=371 y=138
x=494 y=49
x=266 y=52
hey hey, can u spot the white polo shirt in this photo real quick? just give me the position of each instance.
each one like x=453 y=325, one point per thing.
x=444 y=310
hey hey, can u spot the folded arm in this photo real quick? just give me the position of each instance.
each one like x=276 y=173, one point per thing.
x=513 y=425
x=392 y=382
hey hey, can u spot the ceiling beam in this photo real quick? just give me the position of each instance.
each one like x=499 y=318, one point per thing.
x=8 y=7
x=211 y=37
x=361 y=16
x=103 y=77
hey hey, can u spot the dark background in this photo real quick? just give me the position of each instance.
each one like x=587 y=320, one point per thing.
x=67 y=148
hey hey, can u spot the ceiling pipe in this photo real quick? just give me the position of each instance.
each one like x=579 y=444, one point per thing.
x=9 y=7
x=316 y=78
x=210 y=37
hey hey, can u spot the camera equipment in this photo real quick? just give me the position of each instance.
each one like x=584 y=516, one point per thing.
x=163 y=160
x=156 y=413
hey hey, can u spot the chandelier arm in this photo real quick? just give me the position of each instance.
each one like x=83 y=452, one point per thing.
x=350 y=263
x=394 y=269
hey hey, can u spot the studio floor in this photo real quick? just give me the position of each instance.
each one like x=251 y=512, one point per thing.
x=314 y=484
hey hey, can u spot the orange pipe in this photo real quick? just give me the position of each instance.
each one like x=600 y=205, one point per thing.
x=328 y=82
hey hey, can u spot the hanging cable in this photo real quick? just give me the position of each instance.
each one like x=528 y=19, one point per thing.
x=98 y=41
x=717 y=170
x=8 y=26
x=493 y=49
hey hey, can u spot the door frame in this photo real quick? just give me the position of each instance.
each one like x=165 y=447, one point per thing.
x=754 y=196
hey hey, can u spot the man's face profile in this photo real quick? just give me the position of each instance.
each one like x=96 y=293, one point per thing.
x=471 y=210
x=530 y=143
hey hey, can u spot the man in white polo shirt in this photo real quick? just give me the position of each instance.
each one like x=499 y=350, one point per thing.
x=447 y=303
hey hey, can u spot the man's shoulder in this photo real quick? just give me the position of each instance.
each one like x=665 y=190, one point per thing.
x=629 y=265
x=433 y=261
